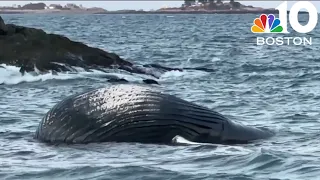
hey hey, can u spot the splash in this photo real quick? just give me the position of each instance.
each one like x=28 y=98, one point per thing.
x=181 y=140
x=10 y=75
x=186 y=74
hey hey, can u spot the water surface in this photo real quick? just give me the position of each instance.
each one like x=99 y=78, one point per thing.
x=272 y=87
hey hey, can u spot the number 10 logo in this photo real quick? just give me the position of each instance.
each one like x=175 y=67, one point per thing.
x=293 y=16
x=270 y=24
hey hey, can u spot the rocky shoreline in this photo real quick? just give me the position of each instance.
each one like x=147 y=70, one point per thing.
x=194 y=12
x=34 y=50
x=188 y=7
x=50 y=11
x=265 y=11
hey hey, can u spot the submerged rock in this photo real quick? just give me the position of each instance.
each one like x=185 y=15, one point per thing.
x=113 y=78
x=118 y=80
x=150 y=81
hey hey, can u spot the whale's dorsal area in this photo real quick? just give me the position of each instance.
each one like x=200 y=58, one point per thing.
x=137 y=113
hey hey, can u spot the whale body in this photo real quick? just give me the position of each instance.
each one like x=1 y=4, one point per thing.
x=137 y=113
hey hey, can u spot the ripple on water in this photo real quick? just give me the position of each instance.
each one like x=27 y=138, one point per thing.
x=273 y=87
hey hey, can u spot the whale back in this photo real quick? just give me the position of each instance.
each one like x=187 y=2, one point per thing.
x=128 y=113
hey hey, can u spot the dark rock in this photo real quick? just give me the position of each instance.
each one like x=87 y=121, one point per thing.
x=165 y=69
x=150 y=81
x=31 y=48
x=200 y=69
x=157 y=66
x=3 y=27
x=118 y=80
x=112 y=78
x=109 y=76
x=35 y=6
x=236 y=5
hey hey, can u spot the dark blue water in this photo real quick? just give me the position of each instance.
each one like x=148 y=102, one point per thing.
x=277 y=87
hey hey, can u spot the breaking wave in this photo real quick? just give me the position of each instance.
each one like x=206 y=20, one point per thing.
x=11 y=75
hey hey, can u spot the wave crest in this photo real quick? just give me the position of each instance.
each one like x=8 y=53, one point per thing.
x=11 y=75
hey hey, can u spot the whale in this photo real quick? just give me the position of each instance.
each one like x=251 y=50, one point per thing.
x=139 y=114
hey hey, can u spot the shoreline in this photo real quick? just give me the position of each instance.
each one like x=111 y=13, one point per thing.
x=263 y=11
x=243 y=11
x=195 y=12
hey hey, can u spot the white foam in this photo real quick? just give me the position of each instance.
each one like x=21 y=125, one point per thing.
x=10 y=75
x=181 y=140
x=215 y=59
x=221 y=149
x=182 y=74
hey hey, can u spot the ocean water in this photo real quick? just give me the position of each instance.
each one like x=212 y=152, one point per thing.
x=277 y=87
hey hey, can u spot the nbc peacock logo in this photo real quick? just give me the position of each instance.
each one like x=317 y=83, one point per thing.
x=267 y=24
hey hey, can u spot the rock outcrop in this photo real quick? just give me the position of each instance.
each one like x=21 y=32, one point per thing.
x=3 y=27
x=216 y=7
x=30 y=47
x=33 y=49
